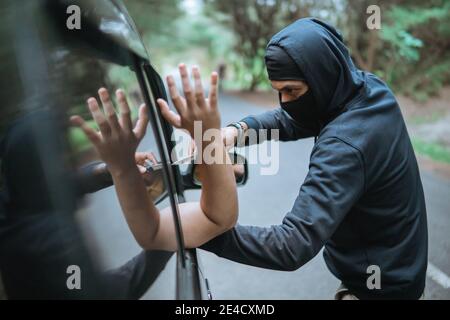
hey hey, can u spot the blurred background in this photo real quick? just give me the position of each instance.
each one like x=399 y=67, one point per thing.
x=409 y=52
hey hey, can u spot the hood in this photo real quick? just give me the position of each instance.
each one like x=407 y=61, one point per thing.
x=318 y=50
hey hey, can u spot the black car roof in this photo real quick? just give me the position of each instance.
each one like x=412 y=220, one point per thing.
x=105 y=24
x=35 y=36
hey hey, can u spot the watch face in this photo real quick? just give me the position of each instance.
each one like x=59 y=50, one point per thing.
x=239 y=139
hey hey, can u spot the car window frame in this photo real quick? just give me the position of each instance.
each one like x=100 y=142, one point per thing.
x=189 y=276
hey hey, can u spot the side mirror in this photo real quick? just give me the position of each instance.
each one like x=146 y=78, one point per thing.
x=95 y=176
x=155 y=185
x=240 y=168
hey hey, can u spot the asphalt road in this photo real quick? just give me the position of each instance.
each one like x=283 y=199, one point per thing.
x=264 y=200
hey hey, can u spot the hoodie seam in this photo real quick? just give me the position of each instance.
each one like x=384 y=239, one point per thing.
x=362 y=163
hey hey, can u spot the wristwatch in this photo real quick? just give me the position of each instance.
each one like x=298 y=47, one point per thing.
x=240 y=141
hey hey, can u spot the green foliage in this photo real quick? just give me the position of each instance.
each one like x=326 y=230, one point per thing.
x=253 y=22
x=416 y=40
x=401 y=22
x=156 y=21
x=406 y=44
x=431 y=150
x=432 y=117
x=172 y=35
x=121 y=77
x=78 y=140
x=410 y=52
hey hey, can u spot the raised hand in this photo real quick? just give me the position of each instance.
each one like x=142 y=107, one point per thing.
x=117 y=140
x=193 y=106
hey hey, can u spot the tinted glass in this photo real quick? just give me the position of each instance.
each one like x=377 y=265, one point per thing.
x=46 y=79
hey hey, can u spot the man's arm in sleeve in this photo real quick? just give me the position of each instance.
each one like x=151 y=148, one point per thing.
x=334 y=183
x=289 y=130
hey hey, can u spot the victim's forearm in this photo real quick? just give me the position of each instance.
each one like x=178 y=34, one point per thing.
x=140 y=213
x=219 y=196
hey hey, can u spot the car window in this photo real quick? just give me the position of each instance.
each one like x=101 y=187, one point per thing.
x=70 y=77
x=49 y=78
x=103 y=205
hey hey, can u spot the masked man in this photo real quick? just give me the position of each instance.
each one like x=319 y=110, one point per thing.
x=362 y=199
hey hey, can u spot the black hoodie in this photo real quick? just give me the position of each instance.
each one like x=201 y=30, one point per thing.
x=362 y=199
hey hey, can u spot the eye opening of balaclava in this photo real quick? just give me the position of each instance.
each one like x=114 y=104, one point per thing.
x=281 y=67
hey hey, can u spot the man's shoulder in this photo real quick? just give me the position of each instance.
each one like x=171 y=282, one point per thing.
x=366 y=127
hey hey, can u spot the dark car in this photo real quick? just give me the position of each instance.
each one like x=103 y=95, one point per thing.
x=50 y=175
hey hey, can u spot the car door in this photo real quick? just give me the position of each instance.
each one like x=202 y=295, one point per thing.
x=57 y=69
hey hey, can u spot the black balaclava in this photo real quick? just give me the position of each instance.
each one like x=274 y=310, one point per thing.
x=281 y=67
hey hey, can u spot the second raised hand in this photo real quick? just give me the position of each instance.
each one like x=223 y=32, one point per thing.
x=193 y=106
x=117 y=140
